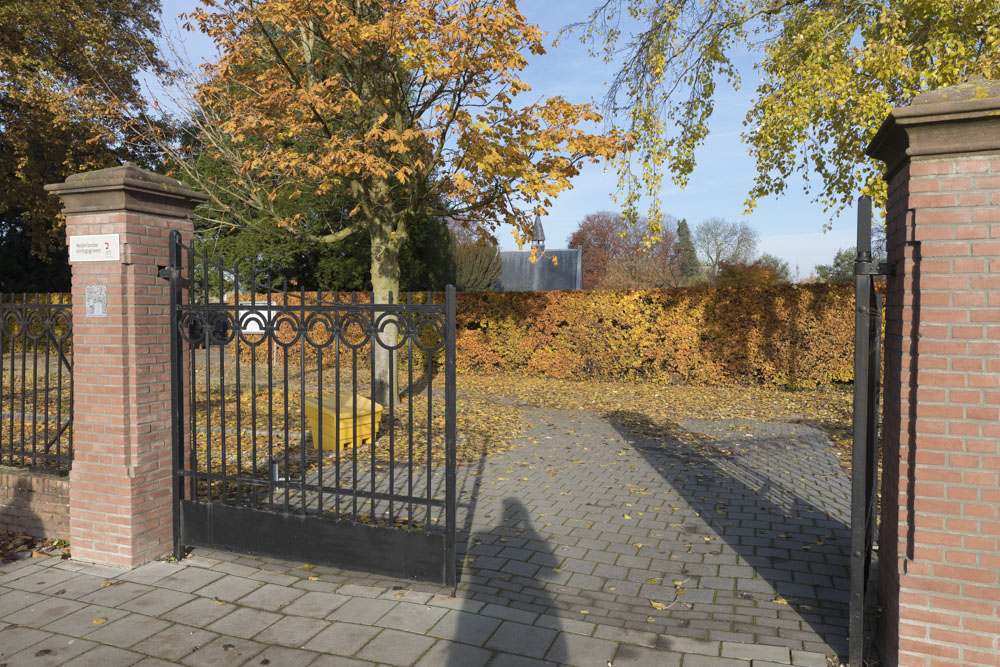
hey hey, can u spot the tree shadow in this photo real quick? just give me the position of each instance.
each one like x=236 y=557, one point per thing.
x=754 y=493
x=17 y=515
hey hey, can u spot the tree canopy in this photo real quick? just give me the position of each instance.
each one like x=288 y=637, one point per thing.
x=830 y=74
x=61 y=61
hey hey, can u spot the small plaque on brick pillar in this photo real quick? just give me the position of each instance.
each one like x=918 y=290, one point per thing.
x=94 y=248
x=97 y=301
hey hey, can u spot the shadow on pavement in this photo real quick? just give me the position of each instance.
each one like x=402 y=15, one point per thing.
x=752 y=491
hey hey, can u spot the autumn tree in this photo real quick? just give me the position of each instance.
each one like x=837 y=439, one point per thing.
x=841 y=270
x=59 y=62
x=410 y=106
x=830 y=73
x=600 y=236
x=721 y=242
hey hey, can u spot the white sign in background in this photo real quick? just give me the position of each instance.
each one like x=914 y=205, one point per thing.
x=94 y=248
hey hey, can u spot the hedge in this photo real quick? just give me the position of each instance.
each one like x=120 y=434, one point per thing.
x=789 y=336
x=772 y=336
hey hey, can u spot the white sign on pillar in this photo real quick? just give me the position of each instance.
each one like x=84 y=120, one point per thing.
x=94 y=248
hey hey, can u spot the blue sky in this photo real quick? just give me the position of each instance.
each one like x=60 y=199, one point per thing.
x=790 y=227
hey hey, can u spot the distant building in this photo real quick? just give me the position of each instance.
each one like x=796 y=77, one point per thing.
x=520 y=275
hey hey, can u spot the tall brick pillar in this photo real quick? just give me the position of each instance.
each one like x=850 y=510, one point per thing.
x=117 y=222
x=939 y=542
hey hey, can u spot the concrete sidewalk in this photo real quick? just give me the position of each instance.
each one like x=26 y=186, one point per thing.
x=587 y=546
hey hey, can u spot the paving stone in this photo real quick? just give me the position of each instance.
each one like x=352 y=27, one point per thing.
x=14 y=638
x=150 y=573
x=244 y=622
x=153 y=662
x=174 y=642
x=342 y=638
x=316 y=604
x=454 y=654
x=229 y=588
x=629 y=655
x=44 y=612
x=199 y=612
x=395 y=648
x=687 y=645
x=459 y=602
x=157 y=601
x=465 y=627
x=115 y=593
x=508 y=613
x=522 y=639
x=271 y=597
x=223 y=651
x=808 y=659
x=355 y=590
x=53 y=650
x=126 y=631
x=293 y=631
x=85 y=620
x=235 y=569
x=39 y=579
x=105 y=656
x=409 y=617
x=584 y=628
x=362 y=610
x=511 y=660
x=77 y=587
x=283 y=656
x=756 y=652
x=569 y=649
x=327 y=660
x=189 y=579
x=693 y=660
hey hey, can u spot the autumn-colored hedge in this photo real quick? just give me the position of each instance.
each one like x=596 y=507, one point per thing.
x=773 y=336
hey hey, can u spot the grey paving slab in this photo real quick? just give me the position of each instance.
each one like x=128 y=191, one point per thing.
x=694 y=660
x=229 y=588
x=244 y=622
x=191 y=578
x=293 y=631
x=14 y=638
x=116 y=592
x=465 y=627
x=175 y=642
x=150 y=573
x=11 y=601
x=393 y=647
x=283 y=656
x=521 y=639
x=629 y=655
x=271 y=597
x=570 y=649
x=85 y=620
x=315 y=604
x=157 y=601
x=362 y=610
x=454 y=654
x=53 y=650
x=409 y=617
x=39 y=579
x=105 y=656
x=128 y=630
x=223 y=652
x=342 y=638
x=200 y=611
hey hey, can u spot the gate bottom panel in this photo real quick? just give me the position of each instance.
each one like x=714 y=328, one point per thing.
x=389 y=551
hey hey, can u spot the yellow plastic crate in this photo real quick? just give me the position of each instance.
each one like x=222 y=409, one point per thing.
x=331 y=439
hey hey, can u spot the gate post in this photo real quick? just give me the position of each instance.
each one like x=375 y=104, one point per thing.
x=117 y=226
x=939 y=542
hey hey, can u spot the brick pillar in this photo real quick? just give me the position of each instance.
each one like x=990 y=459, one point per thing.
x=939 y=541
x=117 y=222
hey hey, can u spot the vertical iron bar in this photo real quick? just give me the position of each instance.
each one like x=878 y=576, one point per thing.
x=223 y=445
x=429 y=370
x=302 y=395
x=409 y=415
x=318 y=435
x=176 y=391
x=271 y=334
x=392 y=430
x=253 y=386
x=859 y=469
x=206 y=333
x=34 y=392
x=449 y=421
x=371 y=407
x=238 y=388
x=284 y=398
x=48 y=336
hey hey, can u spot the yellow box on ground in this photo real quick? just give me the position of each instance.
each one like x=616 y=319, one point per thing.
x=332 y=437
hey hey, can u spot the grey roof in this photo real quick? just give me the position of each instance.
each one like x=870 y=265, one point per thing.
x=520 y=275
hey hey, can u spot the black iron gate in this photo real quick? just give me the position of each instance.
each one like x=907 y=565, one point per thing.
x=281 y=446
x=865 y=459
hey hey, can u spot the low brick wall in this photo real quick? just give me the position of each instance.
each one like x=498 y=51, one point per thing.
x=34 y=503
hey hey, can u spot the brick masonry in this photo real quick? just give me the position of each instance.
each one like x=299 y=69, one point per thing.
x=34 y=503
x=939 y=571
x=120 y=493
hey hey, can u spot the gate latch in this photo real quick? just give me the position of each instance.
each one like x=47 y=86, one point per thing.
x=173 y=273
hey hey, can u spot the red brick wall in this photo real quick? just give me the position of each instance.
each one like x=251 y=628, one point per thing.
x=120 y=494
x=940 y=566
x=36 y=504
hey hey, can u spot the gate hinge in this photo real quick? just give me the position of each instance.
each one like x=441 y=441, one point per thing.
x=874 y=269
x=173 y=273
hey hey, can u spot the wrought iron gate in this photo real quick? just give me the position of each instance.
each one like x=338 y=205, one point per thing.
x=280 y=447
x=865 y=458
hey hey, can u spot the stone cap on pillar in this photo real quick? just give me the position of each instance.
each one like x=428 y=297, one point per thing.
x=964 y=118
x=126 y=188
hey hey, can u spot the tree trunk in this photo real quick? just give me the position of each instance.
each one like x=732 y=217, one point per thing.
x=385 y=281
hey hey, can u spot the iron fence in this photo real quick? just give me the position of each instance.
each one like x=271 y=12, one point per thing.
x=36 y=381
x=289 y=439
